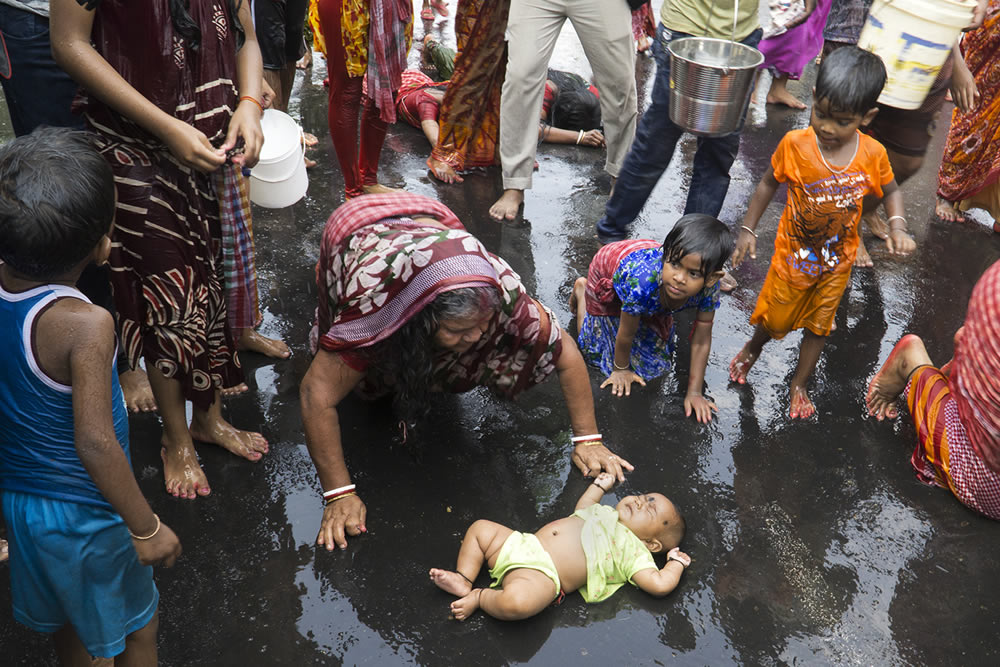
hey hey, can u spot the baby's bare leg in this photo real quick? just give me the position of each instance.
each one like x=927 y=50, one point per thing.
x=481 y=544
x=525 y=593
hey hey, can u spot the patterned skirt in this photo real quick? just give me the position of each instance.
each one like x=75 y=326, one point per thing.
x=944 y=455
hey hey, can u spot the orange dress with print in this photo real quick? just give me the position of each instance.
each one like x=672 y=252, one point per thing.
x=817 y=236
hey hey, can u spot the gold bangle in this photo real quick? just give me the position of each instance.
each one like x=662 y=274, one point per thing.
x=329 y=501
x=151 y=535
x=589 y=443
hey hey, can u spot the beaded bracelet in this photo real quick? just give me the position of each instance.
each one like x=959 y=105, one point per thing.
x=151 y=535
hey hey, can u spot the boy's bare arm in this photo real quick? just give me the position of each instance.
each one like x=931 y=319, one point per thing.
x=661 y=582
x=602 y=484
x=91 y=352
x=746 y=242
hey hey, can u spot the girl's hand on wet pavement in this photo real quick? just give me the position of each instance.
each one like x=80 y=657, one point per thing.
x=701 y=407
x=341 y=518
x=245 y=123
x=162 y=549
x=621 y=382
x=593 y=458
x=900 y=243
x=191 y=147
x=745 y=245
x=592 y=138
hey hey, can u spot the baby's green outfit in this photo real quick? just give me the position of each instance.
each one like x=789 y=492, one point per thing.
x=614 y=554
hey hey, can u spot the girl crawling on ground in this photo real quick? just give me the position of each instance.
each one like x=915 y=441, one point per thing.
x=596 y=549
x=626 y=303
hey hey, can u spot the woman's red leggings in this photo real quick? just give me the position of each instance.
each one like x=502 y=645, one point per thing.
x=359 y=167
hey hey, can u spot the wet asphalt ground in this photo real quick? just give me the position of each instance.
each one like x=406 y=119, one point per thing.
x=813 y=543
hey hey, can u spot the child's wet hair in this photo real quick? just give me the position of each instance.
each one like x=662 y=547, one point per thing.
x=57 y=199
x=850 y=79
x=699 y=234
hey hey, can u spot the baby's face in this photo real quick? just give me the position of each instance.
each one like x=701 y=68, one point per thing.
x=646 y=514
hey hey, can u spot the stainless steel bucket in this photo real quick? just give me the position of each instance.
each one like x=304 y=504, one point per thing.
x=710 y=83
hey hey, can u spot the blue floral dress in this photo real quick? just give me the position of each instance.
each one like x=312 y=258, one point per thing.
x=636 y=284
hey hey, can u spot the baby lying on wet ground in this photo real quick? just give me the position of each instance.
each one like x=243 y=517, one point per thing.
x=595 y=550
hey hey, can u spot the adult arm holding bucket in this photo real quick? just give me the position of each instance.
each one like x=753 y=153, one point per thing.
x=71 y=26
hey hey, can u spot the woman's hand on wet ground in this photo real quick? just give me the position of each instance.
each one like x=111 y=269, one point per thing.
x=592 y=459
x=192 y=147
x=162 y=549
x=621 y=382
x=592 y=138
x=341 y=518
x=700 y=407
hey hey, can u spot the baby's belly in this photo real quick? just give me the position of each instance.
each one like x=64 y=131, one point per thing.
x=561 y=539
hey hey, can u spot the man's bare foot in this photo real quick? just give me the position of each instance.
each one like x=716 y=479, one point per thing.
x=741 y=365
x=251 y=341
x=727 y=283
x=862 y=259
x=306 y=61
x=379 y=189
x=801 y=407
x=229 y=392
x=946 y=210
x=251 y=446
x=182 y=472
x=782 y=96
x=876 y=225
x=465 y=607
x=450 y=582
x=443 y=171
x=138 y=394
x=508 y=205
x=890 y=381
x=578 y=295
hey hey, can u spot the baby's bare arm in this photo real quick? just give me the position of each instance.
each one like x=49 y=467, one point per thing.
x=661 y=582
x=602 y=484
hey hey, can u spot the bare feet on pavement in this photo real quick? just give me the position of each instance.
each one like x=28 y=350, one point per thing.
x=443 y=172
x=182 y=472
x=876 y=225
x=450 y=582
x=465 y=607
x=741 y=365
x=780 y=95
x=229 y=392
x=863 y=259
x=578 y=299
x=890 y=381
x=5 y=551
x=508 y=205
x=379 y=189
x=946 y=210
x=727 y=283
x=801 y=407
x=138 y=394
x=306 y=61
x=252 y=341
x=251 y=446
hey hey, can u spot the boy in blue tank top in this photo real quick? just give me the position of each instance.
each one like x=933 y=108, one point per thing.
x=82 y=536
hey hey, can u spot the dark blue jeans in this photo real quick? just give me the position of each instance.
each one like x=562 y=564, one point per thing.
x=37 y=92
x=655 y=140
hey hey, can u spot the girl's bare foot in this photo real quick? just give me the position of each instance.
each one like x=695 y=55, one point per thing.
x=251 y=341
x=741 y=365
x=217 y=431
x=379 y=189
x=890 y=381
x=306 y=61
x=138 y=394
x=876 y=225
x=946 y=210
x=578 y=296
x=229 y=392
x=450 y=582
x=443 y=171
x=801 y=407
x=182 y=472
x=465 y=607
x=508 y=205
x=778 y=94
x=862 y=259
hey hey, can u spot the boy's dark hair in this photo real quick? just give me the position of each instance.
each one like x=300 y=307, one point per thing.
x=700 y=234
x=575 y=107
x=850 y=79
x=57 y=199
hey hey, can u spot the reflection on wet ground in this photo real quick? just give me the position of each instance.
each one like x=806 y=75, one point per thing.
x=813 y=543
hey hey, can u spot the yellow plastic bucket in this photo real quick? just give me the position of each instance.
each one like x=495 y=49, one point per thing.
x=913 y=38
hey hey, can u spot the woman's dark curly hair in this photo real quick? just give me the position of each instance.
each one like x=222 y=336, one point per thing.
x=406 y=358
x=185 y=25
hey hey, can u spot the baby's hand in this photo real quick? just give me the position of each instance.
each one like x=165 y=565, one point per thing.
x=605 y=480
x=679 y=556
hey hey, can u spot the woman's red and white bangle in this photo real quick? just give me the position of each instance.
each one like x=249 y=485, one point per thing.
x=334 y=494
x=595 y=437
